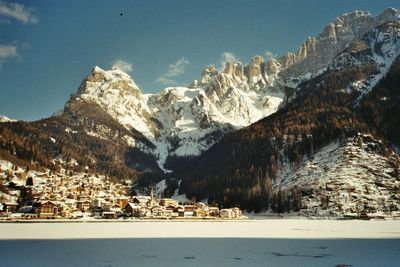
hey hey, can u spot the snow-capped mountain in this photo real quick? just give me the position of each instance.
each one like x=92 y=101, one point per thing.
x=5 y=119
x=184 y=121
x=260 y=147
x=315 y=53
x=328 y=148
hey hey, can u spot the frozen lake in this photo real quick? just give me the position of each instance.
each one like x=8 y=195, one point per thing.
x=282 y=242
x=199 y=252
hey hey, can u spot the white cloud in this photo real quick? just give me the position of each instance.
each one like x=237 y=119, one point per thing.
x=17 y=11
x=174 y=70
x=8 y=52
x=227 y=57
x=122 y=65
x=270 y=54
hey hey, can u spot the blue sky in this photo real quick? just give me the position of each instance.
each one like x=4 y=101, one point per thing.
x=47 y=47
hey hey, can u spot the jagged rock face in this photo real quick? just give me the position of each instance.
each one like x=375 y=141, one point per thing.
x=273 y=66
x=234 y=68
x=181 y=121
x=207 y=74
x=118 y=94
x=315 y=53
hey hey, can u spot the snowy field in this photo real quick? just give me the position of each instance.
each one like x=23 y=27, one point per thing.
x=272 y=228
x=283 y=242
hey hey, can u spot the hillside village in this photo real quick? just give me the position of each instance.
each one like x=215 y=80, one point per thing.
x=28 y=194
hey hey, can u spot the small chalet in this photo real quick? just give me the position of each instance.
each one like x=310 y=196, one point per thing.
x=180 y=210
x=199 y=213
x=109 y=215
x=98 y=212
x=157 y=212
x=47 y=210
x=132 y=210
x=234 y=213
x=188 y=210
x=83 y=205
x=141 y=200
x=168 y=202
x=116 y=208
x=10 y=207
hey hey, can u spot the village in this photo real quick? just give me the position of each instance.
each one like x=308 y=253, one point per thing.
x=34 y=195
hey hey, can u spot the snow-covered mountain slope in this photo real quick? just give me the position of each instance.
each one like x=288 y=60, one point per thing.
x=117 y=93
x=5 y=119
x=181 y=121
x=350 y=175
x=378 y=48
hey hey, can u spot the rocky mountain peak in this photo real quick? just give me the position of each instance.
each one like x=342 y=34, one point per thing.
x=5 y=119
x=255 y=67
x=234 y=68
x=315 y=53
x=273 y=66
x=208 y=73
x=388 y=14
x=99 y=81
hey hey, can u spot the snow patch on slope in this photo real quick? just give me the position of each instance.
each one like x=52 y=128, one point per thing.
x=5 y=119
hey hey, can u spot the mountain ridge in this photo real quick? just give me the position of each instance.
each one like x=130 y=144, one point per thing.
x=244 y=133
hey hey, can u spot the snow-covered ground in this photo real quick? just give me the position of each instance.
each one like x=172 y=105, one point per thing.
x=278 y=228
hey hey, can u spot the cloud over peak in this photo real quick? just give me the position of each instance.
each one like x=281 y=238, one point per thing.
x=10 y=10
x=174 y=70
x=227 y=57
x=122 y=65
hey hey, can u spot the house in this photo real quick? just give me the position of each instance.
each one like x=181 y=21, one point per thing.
x=10 y=207
x=234 y=213
x=132 y=210
x=144 y=212
x=237 y=213
x=168 y=213
x=83 y=205
x=157 y=212
x=171 y=210
x=141 y=200
x=47 y=209
x=122 y=201
x=66 y=212
x=116 y=208
x=106 y=206
x=226 y=213
x=180 y=210
x=188 y=210
x=213 y=211
x=168 y=202
x=109 y=215
x=98 y=213
x=200 y=213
